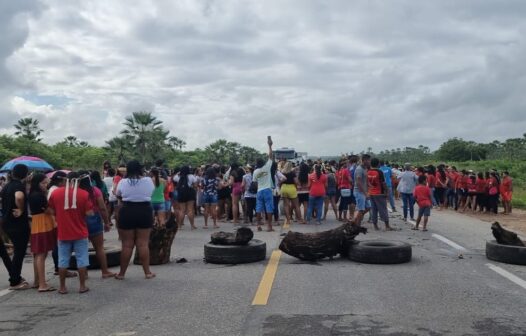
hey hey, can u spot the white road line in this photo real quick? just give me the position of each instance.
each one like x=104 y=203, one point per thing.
x=4 y=292
x=511 y=277
x=449 y=242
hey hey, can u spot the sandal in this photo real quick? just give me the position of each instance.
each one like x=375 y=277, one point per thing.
x=149 y=276
x=49 y=289
x=119 y=277
x=63 y=292
x=85 y=290
x=108 y=275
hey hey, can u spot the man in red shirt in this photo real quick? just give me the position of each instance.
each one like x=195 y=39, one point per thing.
x=378 y=194
x=423 y=198
x=70 y=206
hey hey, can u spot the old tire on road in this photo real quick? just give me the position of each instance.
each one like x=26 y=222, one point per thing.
x=255 y=250
x=113 y=257
x=380 y=252
x=506 y=253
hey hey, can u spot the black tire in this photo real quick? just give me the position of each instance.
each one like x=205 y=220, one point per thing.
x=505 y=253
x=255 y=250
x=380 y=252
x=113 y=257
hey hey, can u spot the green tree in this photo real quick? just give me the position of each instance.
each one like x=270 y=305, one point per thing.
x=176 y=142
x=147 y=134
x=28 y=128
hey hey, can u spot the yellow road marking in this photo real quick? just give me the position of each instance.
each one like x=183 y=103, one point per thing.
x=265 y=286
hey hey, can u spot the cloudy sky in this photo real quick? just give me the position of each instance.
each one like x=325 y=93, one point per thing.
x=324 y=77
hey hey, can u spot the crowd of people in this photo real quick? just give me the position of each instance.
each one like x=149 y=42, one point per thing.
x=65 y=212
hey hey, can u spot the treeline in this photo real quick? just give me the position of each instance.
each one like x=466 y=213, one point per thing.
x=143 y=137
x=459 y=150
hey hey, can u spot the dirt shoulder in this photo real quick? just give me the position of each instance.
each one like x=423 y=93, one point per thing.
x=516 y=221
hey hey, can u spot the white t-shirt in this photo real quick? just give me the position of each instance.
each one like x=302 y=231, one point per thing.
x=108 y=181
x=263 y=177
x=191 y=179
x=136 y=190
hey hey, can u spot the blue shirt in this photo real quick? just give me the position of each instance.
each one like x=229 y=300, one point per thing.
x=387 y=175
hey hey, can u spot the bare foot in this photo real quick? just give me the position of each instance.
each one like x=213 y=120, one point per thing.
x=149 y=276
x=108 y=275
x=83 y=290
x=119 y=276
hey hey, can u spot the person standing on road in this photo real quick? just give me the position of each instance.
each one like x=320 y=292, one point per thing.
x=493 y=191
x=317 y=191
x=264 y=199
x=423 y=196
x=136 y=220
x=250 y=195
x=441 y=187
x=343 y=177
x=506 y=191
x=332 y=189
x=289 y=192
x=98 y=223
x=387 y=171
x=406 y=187
x=378 y=193
x=303 y=189
x=16 y=224
x=186 y=195
x=70 y=206
x=43 y=232
x=361 y=189
x=210 y=184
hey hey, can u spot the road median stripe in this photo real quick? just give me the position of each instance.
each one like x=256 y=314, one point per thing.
x=512 y=277
x=265 y=286
x=449 y=242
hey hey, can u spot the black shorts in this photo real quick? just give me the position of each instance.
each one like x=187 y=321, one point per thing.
x=186 y=195
x=224 y=193
x=136 y=215
x=303 y=197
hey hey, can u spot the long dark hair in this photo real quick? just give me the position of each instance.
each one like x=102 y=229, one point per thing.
x=35 y=183
x=317 y=169
x=183 y=177
x=134 y=171
x=95 y=177
x=155 y=173
x=303 y=176
x=85 y=184
x=211 y=173
x=57 y=178
x=442 y=173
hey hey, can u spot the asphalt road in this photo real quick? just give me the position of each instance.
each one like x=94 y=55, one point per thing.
x=437 y=293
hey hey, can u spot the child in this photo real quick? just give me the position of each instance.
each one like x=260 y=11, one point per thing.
x=422 y=195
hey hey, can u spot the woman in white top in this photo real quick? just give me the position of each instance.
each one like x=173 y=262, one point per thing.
x=135 y=217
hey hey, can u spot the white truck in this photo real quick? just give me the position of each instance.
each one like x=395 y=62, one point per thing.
x=289 y=154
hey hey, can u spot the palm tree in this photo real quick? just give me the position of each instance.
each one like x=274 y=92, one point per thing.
x=28 y=128
x=119 y=147
x=177 y=143
x=147 y=134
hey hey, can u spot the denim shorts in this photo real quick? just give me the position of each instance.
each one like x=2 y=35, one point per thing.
x=95 y=226
x=209 y=199
x=331 y=192
x=425 y=212
x=264 y=201
x=159 y=206
x=80 y=247
x=362 y=202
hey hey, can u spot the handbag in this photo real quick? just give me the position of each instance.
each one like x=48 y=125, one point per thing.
x=345 y=192
x=493 y=191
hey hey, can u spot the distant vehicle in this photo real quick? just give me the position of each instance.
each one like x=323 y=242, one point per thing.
x=289 y=154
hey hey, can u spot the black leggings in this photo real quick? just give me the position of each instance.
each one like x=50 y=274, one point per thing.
x=251 y=207
x=19 y=235
x=493 y=203
x=276 y=208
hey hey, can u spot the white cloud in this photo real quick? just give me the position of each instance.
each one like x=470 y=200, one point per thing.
x=325 y=77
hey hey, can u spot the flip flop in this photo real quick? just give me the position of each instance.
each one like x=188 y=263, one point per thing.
x=414 y=228
x=119 y=277
x=85 y=290
x=109 y=275
x=424 y=230
x=63 y=292
x=49 y=289
x=149 y=276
